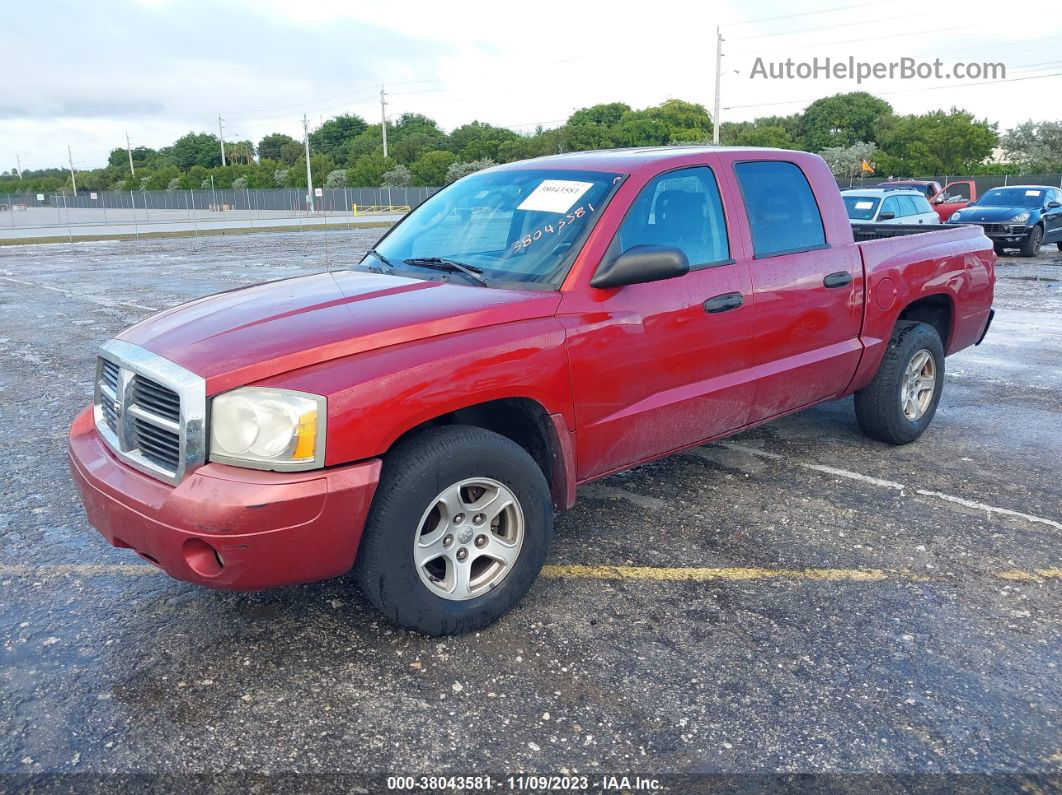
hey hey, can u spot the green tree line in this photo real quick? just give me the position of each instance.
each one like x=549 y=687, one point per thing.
x=348 y=151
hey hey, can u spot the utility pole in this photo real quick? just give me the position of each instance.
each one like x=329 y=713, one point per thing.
x=383 y=118
x=73 y=179
x=18 y=166
x=129 y=150
x=309 y=176
x=221 y=135
x=718 y=75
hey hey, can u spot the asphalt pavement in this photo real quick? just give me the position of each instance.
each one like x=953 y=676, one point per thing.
x=797 y=599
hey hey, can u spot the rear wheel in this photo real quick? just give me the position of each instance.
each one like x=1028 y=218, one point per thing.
x=1059 y=244
x=1031 y=247
x=899 y=404
x=459 y=529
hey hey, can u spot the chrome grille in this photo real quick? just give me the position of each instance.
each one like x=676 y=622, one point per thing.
x=156 y=398
x=150 y=411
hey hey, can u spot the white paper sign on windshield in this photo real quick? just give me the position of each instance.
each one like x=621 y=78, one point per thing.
x=864 y=205
x=1032 y=193
x=554 y=196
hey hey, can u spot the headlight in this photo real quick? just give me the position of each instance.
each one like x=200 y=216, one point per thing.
x=267 y=428
x=1020 y=218
x=955 y=216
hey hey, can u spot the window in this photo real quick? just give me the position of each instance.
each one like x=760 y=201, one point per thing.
x=682 y=209
x=908 y=205
x=922 y=205
x=892 y=205
x=781 y=207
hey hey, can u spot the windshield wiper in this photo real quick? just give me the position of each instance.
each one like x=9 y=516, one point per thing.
x=390 y=266
x=450 y=266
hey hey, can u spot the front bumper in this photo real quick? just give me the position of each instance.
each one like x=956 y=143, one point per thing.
x=222 y=526
x=1003 y=233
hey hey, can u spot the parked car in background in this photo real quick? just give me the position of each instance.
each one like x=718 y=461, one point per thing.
x=423 y=414
x=1017 y=216
x=945 y=200
x=877 y=206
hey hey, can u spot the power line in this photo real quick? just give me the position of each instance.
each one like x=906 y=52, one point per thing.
x=823 y=27
x=802 y=14
x=905 y=34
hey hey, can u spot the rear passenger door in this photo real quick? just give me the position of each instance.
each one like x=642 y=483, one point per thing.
x=891 y=211
x=807 y=289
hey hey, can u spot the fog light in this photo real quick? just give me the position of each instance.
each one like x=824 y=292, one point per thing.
x=202 y=558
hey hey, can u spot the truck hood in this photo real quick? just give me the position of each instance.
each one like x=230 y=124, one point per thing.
x=993 y=215
x=245 y=335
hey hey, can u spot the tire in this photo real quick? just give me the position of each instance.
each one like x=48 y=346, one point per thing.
x=416 y=474
x=1031 y=247
x=1059 y=244
x=880 y=407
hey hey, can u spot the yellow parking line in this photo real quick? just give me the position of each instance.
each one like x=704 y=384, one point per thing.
x=1031 y=576
x=702 y=573
x=578 y=572
x=707 y=573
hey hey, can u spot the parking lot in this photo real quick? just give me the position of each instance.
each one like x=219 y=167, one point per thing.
x=796 y=599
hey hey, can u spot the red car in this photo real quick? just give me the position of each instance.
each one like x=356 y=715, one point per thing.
x=953 y=196
x=421 y=416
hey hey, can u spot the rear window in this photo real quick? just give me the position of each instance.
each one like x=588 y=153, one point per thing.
x=861 y=208
x=781 y=207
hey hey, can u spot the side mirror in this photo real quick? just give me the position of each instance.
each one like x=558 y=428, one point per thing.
x=939 y=199
x=1053 y=205
x=886 y=216
x=640 y=264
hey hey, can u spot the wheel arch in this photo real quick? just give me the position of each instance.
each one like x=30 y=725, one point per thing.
x=936 y=310
x=526 y=422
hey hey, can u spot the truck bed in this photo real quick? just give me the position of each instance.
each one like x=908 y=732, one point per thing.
x=863 y=232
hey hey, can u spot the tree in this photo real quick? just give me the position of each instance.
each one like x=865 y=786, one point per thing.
x=337 y=178
x=458 y=170
x=847 y=161
x=936 y=143
x=368 y=170
x=271 y=146
x=477 y=140
x=1035 y=146
x=430 y=168
x=412 y=135
x=280 y=177
x=195 y=149
x=330 y=136
x=397 y=177
x=842 y=120
x=753 y=133
x=240 y=183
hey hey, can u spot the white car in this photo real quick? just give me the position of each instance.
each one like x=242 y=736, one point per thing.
x=881 y=206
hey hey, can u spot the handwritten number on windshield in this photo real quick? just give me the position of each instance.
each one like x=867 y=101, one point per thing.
x=549 y=229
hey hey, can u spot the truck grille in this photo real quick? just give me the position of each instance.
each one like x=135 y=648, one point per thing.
x=150 y=411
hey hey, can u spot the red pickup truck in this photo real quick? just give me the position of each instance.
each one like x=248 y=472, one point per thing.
x=533 y=327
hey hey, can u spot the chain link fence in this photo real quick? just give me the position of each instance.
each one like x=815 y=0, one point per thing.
x=217 y=206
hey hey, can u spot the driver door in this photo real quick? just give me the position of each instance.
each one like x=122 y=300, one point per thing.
x=659 y=366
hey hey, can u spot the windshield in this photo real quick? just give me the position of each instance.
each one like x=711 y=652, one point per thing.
x=861 y=208
x=522 y=226
x=1012 y=197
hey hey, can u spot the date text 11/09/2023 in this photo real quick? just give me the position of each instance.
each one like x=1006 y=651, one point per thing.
x=525 y=783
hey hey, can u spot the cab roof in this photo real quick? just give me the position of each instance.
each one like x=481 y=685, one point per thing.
x=877 y=193
x=633 y=158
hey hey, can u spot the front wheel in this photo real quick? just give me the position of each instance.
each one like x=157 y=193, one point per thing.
x=1059 y=244
x=899 y=404
x=459 y=529
x=1031 y=247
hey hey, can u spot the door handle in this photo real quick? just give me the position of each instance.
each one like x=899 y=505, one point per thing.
x=723 y=303
x=839 y=279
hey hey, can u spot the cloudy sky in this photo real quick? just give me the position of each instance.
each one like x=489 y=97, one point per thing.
x=85 y=73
